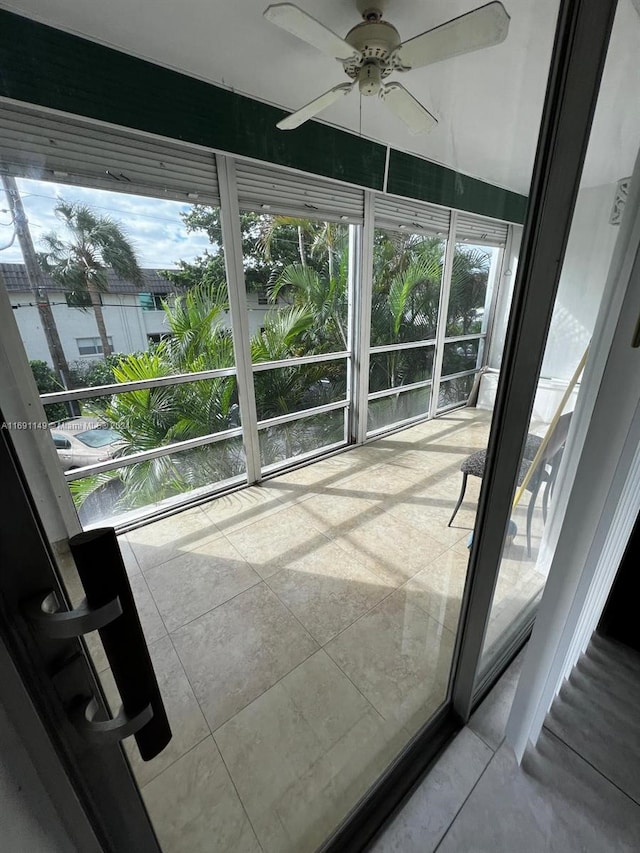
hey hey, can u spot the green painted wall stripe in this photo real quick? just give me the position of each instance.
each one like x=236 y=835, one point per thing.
x=45 y=66
x=417 y=178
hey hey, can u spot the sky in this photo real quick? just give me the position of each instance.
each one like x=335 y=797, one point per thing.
x=153 y=225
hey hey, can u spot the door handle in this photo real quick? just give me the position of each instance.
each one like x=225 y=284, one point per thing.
x=46 y=613
x=104 y=578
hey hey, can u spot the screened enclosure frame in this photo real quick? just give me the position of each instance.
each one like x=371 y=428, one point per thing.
x=235 y=185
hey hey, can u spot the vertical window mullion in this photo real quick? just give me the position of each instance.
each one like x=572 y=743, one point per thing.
x=353 y=296
x=232 y=244
x=443 y=310
x=362 y=314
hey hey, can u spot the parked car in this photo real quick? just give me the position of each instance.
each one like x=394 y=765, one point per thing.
x=84 y=441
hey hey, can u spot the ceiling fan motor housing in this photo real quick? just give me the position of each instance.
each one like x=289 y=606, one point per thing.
x=376 y=40
x=369 y=79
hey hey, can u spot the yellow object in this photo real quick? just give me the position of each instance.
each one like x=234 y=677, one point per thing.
x=552 y=426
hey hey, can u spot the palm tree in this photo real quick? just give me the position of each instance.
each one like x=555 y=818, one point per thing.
x=468 y=289
x=323 y=298
x=154 y=417
x=272 y=227
x=404 y=308
x=80 y=259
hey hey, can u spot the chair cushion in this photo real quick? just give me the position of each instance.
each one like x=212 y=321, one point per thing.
x=474 y=466
x=532 y=446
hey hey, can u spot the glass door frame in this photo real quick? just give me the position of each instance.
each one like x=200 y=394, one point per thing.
x=99 y=802
x=580 y=50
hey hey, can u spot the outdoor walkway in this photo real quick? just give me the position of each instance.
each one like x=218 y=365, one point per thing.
x=302 y=631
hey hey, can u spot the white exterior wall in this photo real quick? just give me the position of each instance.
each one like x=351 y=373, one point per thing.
x=127 y=325
x=584 y=273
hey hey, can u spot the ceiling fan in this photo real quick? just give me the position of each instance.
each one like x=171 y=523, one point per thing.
x=372 y=50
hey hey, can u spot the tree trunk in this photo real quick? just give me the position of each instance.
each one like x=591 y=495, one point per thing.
x=94 y=293
x=303 y=259
x=37 y=282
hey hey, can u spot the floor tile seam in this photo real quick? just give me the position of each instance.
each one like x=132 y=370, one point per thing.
x=235 y=788
x=494 y=749
x=355 y=556
x=293 y=616
x=175 y=760
x=417 y=475
x=464 y=802
x=155 y=604
x=361 y=616
x=381 y=499
x=169 y=519
x=212 y=731
x=243 y=490
x=375 y=506
x=429 y=613
x=222 y=532
x=398 y=507
x=316 y=536
x=258 y=581
x=354 y=545
x=191 y=687
x=370 y=708
x=125 y=536
x=463 y=424
x=579 y=755
x=261 y=694
x=181 y=554
x=329 y=480
x=383 y=717
x=360 y=691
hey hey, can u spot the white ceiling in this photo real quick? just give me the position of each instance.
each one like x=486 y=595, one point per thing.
x=488 y=103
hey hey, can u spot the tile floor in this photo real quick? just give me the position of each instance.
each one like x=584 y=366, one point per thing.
x=302 y=630
x=576 y=792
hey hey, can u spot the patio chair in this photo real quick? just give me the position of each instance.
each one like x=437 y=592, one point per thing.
x=546 y=472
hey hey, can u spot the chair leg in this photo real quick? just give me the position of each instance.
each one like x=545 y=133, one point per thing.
x=460 y=499
x=530 y=508
x=545 y=499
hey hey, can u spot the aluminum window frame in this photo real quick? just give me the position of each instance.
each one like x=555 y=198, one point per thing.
x=400 y=215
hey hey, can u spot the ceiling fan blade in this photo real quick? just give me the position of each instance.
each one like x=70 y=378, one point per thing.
x=483 y=27
x=402 y=103
x=294 y=20
x=314 y=107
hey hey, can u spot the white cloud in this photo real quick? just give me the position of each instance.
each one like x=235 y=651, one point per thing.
x=153 y=225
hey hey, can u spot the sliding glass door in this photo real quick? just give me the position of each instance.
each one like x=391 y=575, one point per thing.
x=567 y=382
